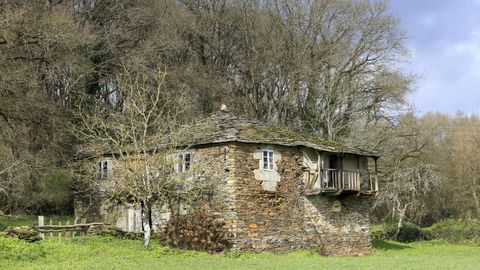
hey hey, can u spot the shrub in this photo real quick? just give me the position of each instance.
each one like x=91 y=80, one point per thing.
x=197 y=231
x=54 y=193
x=408 y=233
x=378 y=234
x=456 y=230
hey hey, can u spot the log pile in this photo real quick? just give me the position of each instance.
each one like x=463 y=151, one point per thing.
x=26 y=233
x=197 y=231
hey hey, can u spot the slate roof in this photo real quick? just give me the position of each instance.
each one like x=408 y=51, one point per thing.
x=223 y=126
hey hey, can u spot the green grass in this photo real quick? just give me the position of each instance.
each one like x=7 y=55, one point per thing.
x=111 y=253
x=13 y=221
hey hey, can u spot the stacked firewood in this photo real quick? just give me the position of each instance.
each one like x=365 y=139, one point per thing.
x=197 y=231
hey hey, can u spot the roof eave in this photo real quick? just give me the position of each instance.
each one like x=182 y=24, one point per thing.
x=295 y=144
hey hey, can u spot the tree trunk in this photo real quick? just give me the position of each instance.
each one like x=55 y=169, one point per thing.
x=476 y=201
x=147 y=223
x=401 y=217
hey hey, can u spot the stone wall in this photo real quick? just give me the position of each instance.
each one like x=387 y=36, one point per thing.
x=94 y=208
x=275 y=216
x=212 y=161
x=285 y=219
x=268 y=220
x=218 y=162
x=338 y=225
x=88 y=206
x=88 y=196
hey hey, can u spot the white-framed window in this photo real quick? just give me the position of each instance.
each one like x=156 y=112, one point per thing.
x=267 y=160
x=184 y=162
x=102 y=169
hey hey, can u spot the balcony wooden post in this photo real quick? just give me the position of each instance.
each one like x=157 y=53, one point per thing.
x=358 y=180
x=342 y=181
x=319 y=171
x=376 y=172
x=371 y=181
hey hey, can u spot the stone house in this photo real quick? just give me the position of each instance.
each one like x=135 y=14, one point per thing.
x=280 y=190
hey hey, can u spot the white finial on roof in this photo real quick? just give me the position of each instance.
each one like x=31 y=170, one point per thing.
x=223 y=108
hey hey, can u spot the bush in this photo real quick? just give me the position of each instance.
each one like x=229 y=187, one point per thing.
x=408 y=233
x=378 y=234
x=456 y=230
x=197 y=231
x=54 y=193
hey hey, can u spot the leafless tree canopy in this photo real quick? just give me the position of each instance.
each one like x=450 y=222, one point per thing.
x=140 y=130
x=113 y=70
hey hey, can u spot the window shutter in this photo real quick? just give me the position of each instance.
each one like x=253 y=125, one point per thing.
x=110 y=169
x=98 y=170
x=179 y=165
x=104 y=169
x=265 y=160
x=187 y=161
x=270 y=160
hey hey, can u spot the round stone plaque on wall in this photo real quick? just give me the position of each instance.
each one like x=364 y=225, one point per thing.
x=337 y=206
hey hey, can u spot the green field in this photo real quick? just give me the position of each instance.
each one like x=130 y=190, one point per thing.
x=98 y=252
x=111 y=253
x=6 y=221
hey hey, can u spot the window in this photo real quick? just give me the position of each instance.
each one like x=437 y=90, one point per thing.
x=268 y=160
x=184 y=162
x=102 y=169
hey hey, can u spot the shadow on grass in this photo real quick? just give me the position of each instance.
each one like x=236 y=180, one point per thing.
x=388 y=245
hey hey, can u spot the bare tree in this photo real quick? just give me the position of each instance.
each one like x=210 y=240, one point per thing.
x=460 y=148
x=408 y=187
x=318 y=66
x=142 y=133
x=409 y=178
x=41 y=65
x=322 y=67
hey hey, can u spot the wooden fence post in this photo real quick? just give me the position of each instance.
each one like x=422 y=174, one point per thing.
x=60 y=232
x=51 y=233
x=41 y=222
x=75 y=231
x=83 y=221
x=68 y=233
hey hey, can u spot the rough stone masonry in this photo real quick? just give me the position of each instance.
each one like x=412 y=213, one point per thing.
x=265 y=209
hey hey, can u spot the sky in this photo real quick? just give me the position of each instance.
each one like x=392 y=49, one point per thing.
x=444 y=43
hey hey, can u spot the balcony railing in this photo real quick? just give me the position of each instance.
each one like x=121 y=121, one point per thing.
x=336 y=181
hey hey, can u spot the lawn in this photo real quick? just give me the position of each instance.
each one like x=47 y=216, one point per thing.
x=6 y=221
x=98 y=252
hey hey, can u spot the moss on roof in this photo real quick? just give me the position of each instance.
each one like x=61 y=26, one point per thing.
x=223 y=126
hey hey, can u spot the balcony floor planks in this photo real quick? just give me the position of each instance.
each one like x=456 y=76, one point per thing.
x=336 y=192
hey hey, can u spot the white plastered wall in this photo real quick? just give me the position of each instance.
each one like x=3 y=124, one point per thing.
x=269 y=178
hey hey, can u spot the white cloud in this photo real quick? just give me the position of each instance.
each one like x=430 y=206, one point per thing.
x=467 y=48
x=445 y=53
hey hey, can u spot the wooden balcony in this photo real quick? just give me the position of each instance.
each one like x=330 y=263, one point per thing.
x=336 y=182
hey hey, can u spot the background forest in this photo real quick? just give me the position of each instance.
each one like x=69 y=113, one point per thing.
x=330 y=68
